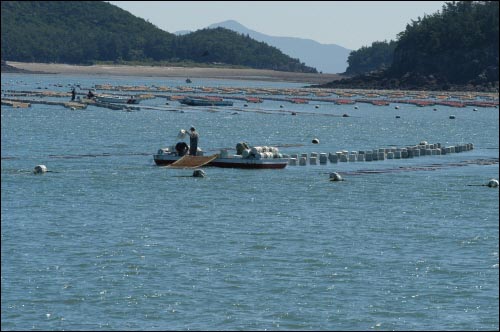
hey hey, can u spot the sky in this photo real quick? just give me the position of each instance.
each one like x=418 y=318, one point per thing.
x=350 y=24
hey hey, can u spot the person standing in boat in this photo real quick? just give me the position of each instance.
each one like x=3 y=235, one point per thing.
x=73 y=94
x=193 y=141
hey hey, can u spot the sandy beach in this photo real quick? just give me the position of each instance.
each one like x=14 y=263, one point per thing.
x=184 y=72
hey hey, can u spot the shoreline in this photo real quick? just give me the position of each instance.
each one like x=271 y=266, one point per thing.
x=184 y=72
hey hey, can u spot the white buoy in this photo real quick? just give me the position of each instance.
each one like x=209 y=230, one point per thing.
x=493 y=183
x=315 y=141
x=40 y=169
x=335 y=177
x=199 y=173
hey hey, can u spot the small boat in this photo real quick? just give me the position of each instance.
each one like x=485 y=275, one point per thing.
x=116 y=99
x=204 y=102
x=188 y=80
x=165 y=157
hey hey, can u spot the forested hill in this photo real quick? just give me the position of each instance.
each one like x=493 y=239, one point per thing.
x=86 y=32
x=456 y=48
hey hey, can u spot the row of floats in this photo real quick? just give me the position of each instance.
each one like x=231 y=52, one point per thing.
x=421 y=149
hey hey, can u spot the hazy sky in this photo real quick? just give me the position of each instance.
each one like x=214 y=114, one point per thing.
x=351 y=24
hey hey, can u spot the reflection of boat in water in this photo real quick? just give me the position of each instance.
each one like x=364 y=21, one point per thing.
x=250 y=159
x=116 y=99
x=205 y=102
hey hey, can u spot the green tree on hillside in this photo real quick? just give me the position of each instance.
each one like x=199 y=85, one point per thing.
x=85 y=32
x=459 y=44
x=378 y=56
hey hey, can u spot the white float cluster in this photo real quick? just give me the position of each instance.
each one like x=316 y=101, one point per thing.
x=261 y=152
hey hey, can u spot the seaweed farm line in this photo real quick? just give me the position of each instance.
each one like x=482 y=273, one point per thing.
x=258 y=95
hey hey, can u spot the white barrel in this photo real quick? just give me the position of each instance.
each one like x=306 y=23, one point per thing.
x=390 y=155
x=292 y=161
x=313 y=160
x=397 y=155
x=303 y=161
x=361 y=157
x=343 y=158
x=368 y=156
x=352 y=157
x=323 y=158
x=333 y=157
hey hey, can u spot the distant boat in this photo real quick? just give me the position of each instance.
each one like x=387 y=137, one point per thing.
x=116 y=99
x=188 y=80
x=204 y=102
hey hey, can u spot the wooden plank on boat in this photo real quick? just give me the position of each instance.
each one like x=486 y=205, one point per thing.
x=189 y=161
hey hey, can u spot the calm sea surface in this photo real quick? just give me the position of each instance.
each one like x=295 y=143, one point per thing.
x=109 y=241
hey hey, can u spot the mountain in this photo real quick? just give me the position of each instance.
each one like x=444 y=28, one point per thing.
x=86 y=32
x=328 y=58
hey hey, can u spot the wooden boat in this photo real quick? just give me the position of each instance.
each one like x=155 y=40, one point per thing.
x=164 y=157
x=205 y=102
x=116 y=99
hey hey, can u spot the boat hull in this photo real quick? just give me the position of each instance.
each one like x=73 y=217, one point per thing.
x=275 y=163
x=203 y=102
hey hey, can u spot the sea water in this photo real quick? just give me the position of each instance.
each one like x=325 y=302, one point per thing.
x=107 y=240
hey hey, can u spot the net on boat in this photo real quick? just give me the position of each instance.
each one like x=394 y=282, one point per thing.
x=189 y=161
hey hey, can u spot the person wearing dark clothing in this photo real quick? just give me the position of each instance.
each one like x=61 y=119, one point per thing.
x=181 y=148
x=90 y=95
x=193 y=141
x=73 y=94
